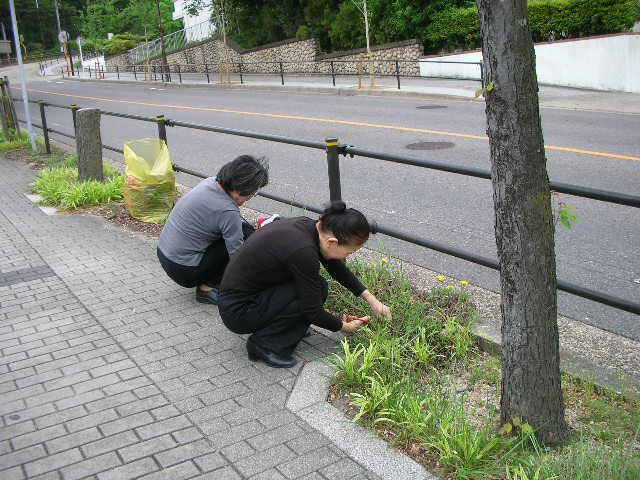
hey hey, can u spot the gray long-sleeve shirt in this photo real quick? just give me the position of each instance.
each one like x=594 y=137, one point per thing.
x=201 y=217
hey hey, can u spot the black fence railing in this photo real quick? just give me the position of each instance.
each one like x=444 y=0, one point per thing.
x=364 y=70
x=333 y=151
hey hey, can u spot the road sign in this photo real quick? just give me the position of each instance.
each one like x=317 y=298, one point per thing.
x=63 y=36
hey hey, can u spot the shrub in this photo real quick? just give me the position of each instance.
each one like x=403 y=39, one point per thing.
x=459 y=28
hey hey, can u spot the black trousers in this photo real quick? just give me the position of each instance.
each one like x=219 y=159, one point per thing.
x=273 y=316
x=211 y=267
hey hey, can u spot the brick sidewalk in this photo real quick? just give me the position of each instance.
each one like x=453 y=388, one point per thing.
x=110 y=371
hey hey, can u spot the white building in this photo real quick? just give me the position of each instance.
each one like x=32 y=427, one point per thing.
x=197 y=27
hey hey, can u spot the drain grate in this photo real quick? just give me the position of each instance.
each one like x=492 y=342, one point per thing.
x=430 y=145
x=430 y=107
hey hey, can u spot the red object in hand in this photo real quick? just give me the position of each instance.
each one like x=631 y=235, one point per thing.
x=351 y=318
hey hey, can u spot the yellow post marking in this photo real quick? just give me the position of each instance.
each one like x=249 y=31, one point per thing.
x=332 y=121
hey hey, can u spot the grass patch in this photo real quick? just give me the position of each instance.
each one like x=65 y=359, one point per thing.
x=59 y=186
x=422 y=384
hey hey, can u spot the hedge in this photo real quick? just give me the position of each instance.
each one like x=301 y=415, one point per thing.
x=459 y=28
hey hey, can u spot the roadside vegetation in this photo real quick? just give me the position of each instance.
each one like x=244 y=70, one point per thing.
x=422 y=384
x=57 y=181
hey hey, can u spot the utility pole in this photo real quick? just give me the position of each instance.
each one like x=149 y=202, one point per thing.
x=165 y=66
x=25 y=97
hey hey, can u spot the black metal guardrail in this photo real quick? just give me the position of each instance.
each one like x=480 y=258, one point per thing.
x=334 y=149
x=362 y=69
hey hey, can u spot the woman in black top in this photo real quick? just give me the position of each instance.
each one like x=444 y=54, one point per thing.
x=272 y=287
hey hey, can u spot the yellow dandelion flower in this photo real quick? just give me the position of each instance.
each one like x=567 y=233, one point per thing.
x=373 y=265
x=441 y=278
x=449 y=287
x=464 y=283
x=385 y=260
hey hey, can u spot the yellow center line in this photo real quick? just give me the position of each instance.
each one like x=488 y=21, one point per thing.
x=332 y=121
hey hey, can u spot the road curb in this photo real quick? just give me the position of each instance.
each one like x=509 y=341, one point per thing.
x=338 y=91
x=308 y=400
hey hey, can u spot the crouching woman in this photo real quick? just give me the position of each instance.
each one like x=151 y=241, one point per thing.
x=205 y=227
x=272 y=288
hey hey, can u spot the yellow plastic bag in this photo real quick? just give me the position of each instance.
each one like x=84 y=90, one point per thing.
x=150 y=187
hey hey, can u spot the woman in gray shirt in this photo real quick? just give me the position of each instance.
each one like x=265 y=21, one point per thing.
x=205 y=226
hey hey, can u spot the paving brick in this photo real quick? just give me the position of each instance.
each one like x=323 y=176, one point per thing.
x=239 y=450
x=130 y=373
x=211 y=461
x=110 y=444
x=149 y=447
x=223 y=393
x=264 y=460
x=63 y=362
x=10 y=407
x=236 y=433
x=184 y=452
x=308 y=442
x=14 y=473
x=67 y=380
x=276 y=419
x=34 y=379
x=224 y=473
x=38 y=436
x=52 y=462
x=113 y=401
x=83 y=366
x=146 y=391
x=59 y=417
x=83 y=398
x=91 y=420
x=50 y=397
x=189 y=404
x=164 y=426
x=126 y=423
x=271 y=474
x=308 y=462
x=219 y=409
x=12 y=431
x=121 y=386
x=166 y=411
x=130 y=471
x=92 y=384
x=275 y=437
x=136 y=406
x=177 y=472
x=22 y=393
x=343 y=469
x=84 y=470
x=73 y=440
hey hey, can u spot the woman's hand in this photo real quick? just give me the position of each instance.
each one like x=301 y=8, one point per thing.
x=351 y=324
x=378 y=308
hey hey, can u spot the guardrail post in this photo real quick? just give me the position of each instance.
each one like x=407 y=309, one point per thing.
x=89 y=145
x=135 y=75
x=3 y=119
x=74 y=110
x=45 y=130
x=281 y=74
x=118 y=71
x=240 y=70
x=89 y=72
x=154 y=73
x=62 y=71
x=333 y=74
x=162 y=128
x=206 y=69
x=398 y=74
x=333 y=165
x=179 y=72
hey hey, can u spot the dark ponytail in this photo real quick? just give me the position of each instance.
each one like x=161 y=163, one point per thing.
x=348 y=225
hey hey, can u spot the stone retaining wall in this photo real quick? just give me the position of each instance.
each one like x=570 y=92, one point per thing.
x=293 y=56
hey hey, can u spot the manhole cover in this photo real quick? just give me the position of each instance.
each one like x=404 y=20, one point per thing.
x=430 y=145
x=430 y=107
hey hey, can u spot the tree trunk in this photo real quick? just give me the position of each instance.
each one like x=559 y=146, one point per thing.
x=524 y=227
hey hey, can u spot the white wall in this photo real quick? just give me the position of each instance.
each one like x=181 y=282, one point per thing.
x=600 y=63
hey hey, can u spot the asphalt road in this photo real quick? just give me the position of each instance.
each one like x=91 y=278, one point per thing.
x=601 y=252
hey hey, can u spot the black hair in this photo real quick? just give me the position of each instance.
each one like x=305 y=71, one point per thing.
x=245 y=174
x=348 y=225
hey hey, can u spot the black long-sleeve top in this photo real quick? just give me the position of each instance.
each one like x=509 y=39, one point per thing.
x=284 y=251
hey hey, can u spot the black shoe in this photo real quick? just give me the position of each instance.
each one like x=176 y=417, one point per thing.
x=210 y=297
x=257 y=352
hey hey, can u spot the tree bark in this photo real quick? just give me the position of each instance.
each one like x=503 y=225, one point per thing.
x=89 y=144
x=524 y=227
